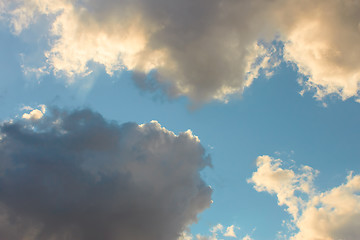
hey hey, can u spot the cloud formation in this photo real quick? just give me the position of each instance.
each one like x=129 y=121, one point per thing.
x=230 y=232
x=323 y=43
x=34 y=114
x=74 y=175
x=206 y=49
x=217 y=232
x=329 y=215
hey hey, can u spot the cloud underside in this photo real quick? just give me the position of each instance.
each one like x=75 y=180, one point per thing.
x=329 y=215
x=206 y=49
x=74 y=175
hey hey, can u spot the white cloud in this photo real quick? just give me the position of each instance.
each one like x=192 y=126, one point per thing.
x=215 y=230
x=230 y=232
x=329 y=215
x=334 y=214
x=247 y=237
x=270 y=177
x=324 y=45
x=216 y=233
x=35 y=114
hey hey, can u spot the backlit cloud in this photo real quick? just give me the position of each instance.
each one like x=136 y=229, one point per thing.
x=322 y=42
x=207 y=49
x=189 y=48
x=74 y=175
x=34 y=114
x=329 y=215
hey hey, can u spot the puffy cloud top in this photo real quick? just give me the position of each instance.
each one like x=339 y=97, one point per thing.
x=74 y=175
x=329 y=215
x=35 y=114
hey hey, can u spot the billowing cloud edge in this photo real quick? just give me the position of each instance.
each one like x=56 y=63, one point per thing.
x=329 y=215
x=84 y=172
x=216 y=51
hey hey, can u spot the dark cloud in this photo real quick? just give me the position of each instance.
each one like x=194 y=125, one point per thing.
x=74 y=175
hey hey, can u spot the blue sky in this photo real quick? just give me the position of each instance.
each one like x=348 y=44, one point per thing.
x=269 y=117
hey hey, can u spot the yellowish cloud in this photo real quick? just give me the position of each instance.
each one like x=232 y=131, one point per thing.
x=329 y=215
x=230 y=232
x=205 y=50
x=34 y=114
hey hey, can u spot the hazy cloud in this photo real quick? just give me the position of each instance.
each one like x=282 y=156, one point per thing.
x=74 y=175
x=329 y=215
x=247 y=237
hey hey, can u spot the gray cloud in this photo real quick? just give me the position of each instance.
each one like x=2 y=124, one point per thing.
x=74 y=175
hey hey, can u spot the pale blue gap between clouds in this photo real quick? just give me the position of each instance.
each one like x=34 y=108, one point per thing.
x=271 y=116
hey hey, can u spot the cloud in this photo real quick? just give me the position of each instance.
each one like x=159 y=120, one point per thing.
x=247 y=237
x=230 y=232
x=323 y=43
x=206 y=49
x=74 y=175
x=216 y=233
x=329 y=215
x=215 y=230
x=35 y=114
x=270 y=177
x=189 y=48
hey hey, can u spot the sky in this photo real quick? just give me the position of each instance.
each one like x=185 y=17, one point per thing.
x=179 y=120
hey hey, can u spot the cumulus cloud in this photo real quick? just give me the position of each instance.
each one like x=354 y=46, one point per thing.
x=34 y=114
x=270 y=177
x=206 y=49
x=329 y=215
x=323 y=43
x=189 y=48
x=74 y=175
